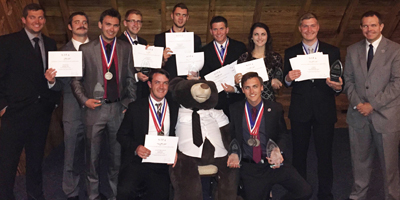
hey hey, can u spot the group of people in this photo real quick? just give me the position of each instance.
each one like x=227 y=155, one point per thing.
x=114 y=103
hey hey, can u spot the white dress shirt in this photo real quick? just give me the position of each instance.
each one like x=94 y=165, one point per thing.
x=152 y=127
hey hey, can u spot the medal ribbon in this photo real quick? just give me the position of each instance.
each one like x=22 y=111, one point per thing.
x=253 y=126
x=221 y=57
x=306 y=50
x=103 y=50
x=158 y=122
x=172 y=30
x=129 y=37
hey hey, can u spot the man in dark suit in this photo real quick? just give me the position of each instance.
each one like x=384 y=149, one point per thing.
x=218 y=53
x=179 y=16
x=133 y=23
x=27 y=101
x=74 y=129
x=251 y=131
x=138 y=123
x=105 y=90
x=312 y=106
x=372 y=76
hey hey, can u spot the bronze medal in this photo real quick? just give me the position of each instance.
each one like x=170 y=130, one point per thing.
x=251 y=142
x=108 y=76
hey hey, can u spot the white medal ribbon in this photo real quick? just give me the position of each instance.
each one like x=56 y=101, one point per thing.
x=103 y=50
x=253 y=127
x=158 y=122
x=306 y=50
x=129 y=37
x=221 y=59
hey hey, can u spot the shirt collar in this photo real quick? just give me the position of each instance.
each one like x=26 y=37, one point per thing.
x=31 y=36
x=155 y=101
x=258 y=106
x=375 y=43
x=313 y=46
x=223 y=44
x=76 y=43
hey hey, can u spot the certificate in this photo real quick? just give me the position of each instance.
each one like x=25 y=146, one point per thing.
x=312 y=66
x=256 y=65
x=66 y=63
x=163 y=149
x=189 y=61
x=150 y=57
x=180 y=42
x=225 y=74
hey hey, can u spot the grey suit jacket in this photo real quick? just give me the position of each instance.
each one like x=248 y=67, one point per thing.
x=83 y=87
x=380 y=85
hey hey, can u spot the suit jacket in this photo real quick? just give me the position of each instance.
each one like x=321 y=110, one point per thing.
x=312 y=99
x=22 y=79
x=83 y=87
x=274 y=121
x=135 y=127
x=170 y=65
x=212 y=63
x=140 y=40
x=380 y=85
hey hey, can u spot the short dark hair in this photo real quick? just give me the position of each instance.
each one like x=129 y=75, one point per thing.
x=133 y=11
x=307 y=16
x=217 y=19
x=182 y=6
x=371 y=14
x=75 y=14
x=110 y=12
x=32 y=6
x=158 y=71
x=250 y=75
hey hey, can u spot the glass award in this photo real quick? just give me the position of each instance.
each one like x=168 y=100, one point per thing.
x=145 y=71
x=336 y=71
x=273 y=151
x=98 y=92
x=234 y=147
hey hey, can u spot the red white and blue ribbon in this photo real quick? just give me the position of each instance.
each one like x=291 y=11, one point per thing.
x=220 y=56
x=306 y=50
x=158 y=122
x=253 y=126
x=108 y=61
x=129 y=37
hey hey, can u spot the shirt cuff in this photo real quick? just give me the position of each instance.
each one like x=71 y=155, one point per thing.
x=51 y=84
x=136 y=78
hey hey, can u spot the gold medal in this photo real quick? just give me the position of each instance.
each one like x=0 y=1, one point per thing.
x=108 y=76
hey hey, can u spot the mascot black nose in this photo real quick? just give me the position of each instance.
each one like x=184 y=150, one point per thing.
x=204 y=86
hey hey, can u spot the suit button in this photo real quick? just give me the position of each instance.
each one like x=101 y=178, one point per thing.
x=38 y=97
x=367 y=87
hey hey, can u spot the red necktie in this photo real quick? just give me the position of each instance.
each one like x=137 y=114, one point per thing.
x=256 y=150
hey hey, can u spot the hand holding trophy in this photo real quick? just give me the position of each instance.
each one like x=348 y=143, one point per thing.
x=274 y=155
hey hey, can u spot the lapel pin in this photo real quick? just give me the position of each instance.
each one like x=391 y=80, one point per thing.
x=383 y=50
x=269 y=109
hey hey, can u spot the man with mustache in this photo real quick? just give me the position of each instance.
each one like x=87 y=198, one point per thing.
x=179 y=16
x=74 y=129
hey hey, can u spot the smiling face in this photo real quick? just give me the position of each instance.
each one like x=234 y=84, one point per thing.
x=371 y=28
x=219 y=31
x=158 y=86
x=309 y=30
x=34 y=21
x=180 y=17
x=260 y=37
x=133 y=23
x=252 y=88
x=109 y=28
x=79 y=25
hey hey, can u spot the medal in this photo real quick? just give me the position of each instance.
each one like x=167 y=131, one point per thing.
x=108 y=76
x=253 y=126
x=158 y=121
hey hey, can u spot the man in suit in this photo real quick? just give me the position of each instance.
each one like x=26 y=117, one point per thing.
x=26 y=101
x=250 y=131
x=74 y=129
x=133 y=23
x=179 y=16
x=105 y=90
x=138 y=123
x=312 y=107
x=372 y=76
x=218 y=53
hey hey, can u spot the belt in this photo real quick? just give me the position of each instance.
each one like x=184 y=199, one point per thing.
x=109 y=101
x=247 y=160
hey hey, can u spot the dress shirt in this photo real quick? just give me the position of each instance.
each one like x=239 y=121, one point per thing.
x=152 y=127
x=223 y=44
x=210 y=121
x=374 y=44
x=41 y=45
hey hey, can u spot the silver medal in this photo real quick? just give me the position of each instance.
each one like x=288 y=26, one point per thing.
x=108 y=76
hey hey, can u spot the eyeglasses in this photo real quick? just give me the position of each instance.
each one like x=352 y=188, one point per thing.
x=134 y=21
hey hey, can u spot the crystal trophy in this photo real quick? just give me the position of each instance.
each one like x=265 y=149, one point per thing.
x=336 y=71
x=98 y=92
x=234 y=147
x=273 y=151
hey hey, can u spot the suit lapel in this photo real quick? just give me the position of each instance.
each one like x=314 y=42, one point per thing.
x=145 y=112
x=240 y=121
x=379 y=56
x=363 y=57
x=120 y=59
x=98 y=59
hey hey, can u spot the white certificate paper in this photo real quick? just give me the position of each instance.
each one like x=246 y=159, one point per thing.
x=163 y=149
x=189 y=61
x=225 y=74
x=312 y=66
x=66 y=63
x=150 y=57
x=256 y=65
x=180 y=42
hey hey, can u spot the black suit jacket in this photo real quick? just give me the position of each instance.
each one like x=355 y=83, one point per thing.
x=140 y=40
x=135 y=127
x=275 y=125
x=170 y=65
x=312 y=99
x=211 y=63
x=22 y=80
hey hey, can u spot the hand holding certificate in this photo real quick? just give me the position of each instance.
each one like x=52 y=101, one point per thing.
x=224 y=74
x=256 y=65
x=189 y=61
x=180 y=42
x=66 y=63
x=149 y=58
x=163 y=149
x=312 y=66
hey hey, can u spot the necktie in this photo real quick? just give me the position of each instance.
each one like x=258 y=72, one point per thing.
x=159 y=105
x=310 y=50
x=222 y=52
x=256 y=150
x=196 y=128
x=112 y=88
x=135 y=42
x=370 y=55
x=38 y=51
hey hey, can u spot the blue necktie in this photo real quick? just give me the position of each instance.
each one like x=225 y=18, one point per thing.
x=222 y=52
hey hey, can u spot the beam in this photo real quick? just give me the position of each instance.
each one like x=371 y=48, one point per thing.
x=344 y=22
x=393 y=17
x=257 y=11
x=296 y=36
x=211 y=14
x=65 y=16
x=11 y=14
x=114 y=4
x=163 y=16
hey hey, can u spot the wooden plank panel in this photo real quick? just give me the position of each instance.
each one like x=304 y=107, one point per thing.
x=211 y=14
x=257 y=11
x=348 y=14
x=392 y=19
x=305 y=8
x=65 y=15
